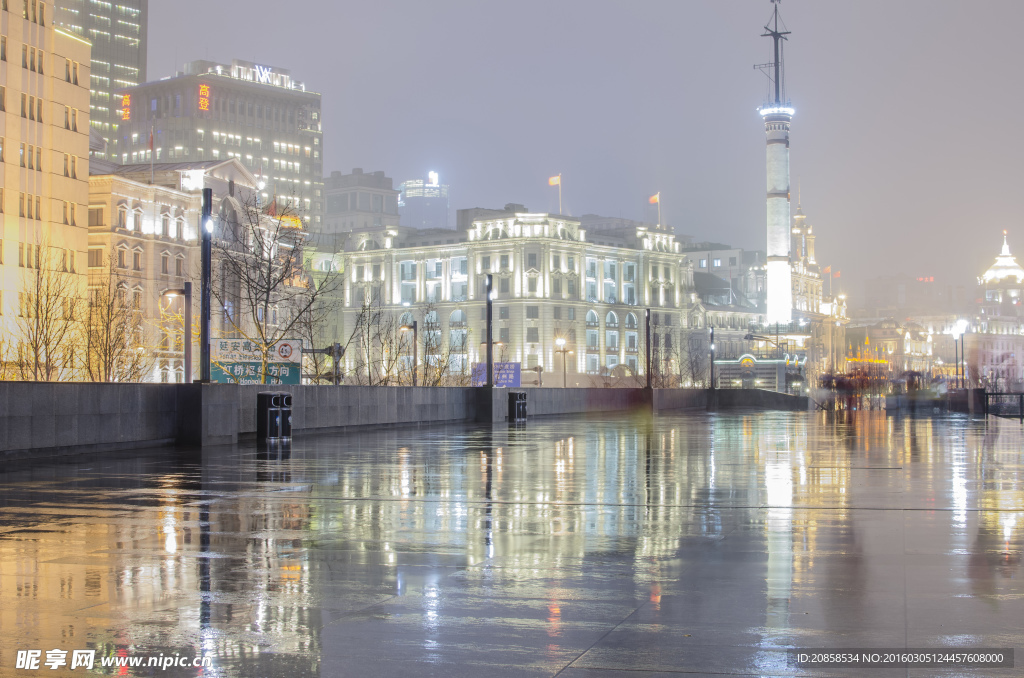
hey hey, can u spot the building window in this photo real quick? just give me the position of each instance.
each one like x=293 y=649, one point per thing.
x=533 y=312
x=179 y=266
x=137 y=260
x=165 y=260
x=503 y=286
x=531 y=285
x=703 y=263
x=504 y=262
x=531 y=260
x=532 y=335
x=122 y=256
x=485 y=264
x=503 y=313
x=717 y=263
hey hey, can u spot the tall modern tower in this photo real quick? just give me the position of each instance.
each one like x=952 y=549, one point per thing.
x=117 y=31
x=777 y=113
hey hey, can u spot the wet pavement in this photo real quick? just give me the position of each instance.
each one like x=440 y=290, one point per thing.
x=687 y=543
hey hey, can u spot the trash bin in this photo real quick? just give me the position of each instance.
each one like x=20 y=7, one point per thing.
x=286 y=414
x=516 y=407
x=268 y=415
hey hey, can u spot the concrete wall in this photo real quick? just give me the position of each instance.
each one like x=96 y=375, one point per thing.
x=81 y=417
x=46 y=419
x=730 y=398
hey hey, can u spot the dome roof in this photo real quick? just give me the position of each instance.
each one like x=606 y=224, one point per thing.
x=1006 y=266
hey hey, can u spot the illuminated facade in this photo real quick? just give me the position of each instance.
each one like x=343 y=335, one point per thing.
x=995 y=347
x=243 y=110
x=424 y=203
x=45 y=148
x=117 y=31
x=552 y=280
x=149 y=232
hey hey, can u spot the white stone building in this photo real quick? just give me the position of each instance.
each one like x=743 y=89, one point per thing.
x=552 y=280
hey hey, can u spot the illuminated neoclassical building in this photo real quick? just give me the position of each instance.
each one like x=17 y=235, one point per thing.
x=552 y=280
x=149 y=230
x=995 y=346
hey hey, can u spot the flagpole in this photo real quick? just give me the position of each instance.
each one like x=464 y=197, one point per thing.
x=152 y=154
x=659 y=209
x=559 y=193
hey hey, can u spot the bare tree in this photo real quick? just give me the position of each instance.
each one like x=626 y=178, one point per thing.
x=377 y=344
x=113 y=330
x=443 y=357
x=264 y=287
x=697 y=361
x=49 y=308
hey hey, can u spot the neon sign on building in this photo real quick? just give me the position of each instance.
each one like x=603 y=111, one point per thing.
x=204 y=97
x=126 y=107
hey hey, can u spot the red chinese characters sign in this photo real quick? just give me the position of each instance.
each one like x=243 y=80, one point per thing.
x=204 y=97
x=126 y=107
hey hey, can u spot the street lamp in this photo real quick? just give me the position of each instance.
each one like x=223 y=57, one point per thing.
x=959 y=330
x=186 y=338
x=560 y=342
x=415 y=346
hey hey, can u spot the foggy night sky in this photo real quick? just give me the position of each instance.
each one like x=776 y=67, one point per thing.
x=906 y=139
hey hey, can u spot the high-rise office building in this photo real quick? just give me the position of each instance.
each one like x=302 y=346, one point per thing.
x=424 y=203
x=44 y=189
x=258 y=114
x=117 y=31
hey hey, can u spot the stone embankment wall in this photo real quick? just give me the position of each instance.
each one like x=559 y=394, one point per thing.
x=43 y=419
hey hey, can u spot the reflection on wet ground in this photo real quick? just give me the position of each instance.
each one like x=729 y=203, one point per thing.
x=695 y=543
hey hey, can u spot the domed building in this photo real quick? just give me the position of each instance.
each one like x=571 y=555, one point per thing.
x=995 y=347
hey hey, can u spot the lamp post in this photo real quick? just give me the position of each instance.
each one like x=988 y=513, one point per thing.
x=206 y=236
x=959 y=330
x=560 y=342
x=415 y=346
x=647 y=341
x=489 y=285
x=186 y=335
x=712 y=358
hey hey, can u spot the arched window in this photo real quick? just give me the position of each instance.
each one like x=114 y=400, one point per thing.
x=611 y=320
x=458 y=317
x=405 y=319
x=592 y=318
x=630 y=321
x=430 y=318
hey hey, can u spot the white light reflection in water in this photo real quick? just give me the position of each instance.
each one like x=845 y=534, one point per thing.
x=778 y=481
x=168 y=528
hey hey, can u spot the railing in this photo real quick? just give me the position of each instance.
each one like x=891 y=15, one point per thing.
x=1005 y=405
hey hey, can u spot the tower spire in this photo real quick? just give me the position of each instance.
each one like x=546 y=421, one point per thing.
x=777 y=115
x=777 y=74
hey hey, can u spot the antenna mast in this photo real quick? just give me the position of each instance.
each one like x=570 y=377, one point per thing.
x=772 y=30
